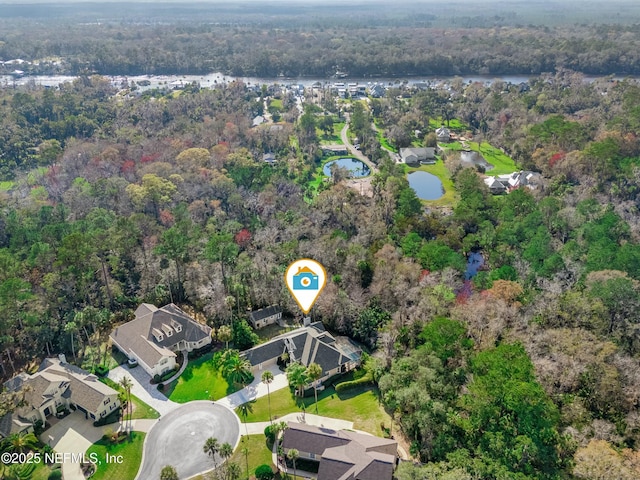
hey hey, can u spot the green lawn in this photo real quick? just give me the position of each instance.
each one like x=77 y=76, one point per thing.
x=131 y=452
x=454 y=123
x=450 y=196
x=359 y=405
x=334 y=138
x=140 y=409
x=502 y=163
x=200 y=381
x=276 y=103
x=259 y=453
x=6 y=186
x=383 y=140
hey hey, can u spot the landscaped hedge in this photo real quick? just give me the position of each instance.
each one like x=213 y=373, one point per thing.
x=101 y=370
x=113 y=417
x=264 y=472
x=366 y=379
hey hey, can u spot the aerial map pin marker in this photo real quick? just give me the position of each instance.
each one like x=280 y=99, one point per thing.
x=305 y=279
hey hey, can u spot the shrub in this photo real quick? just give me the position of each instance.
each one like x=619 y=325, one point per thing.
x=101 y=370
x=264 y=472
x=113 y=417
x=160 y=387
x=270 y=433
x=55 y=475
x=366 y=379
x=156 y=378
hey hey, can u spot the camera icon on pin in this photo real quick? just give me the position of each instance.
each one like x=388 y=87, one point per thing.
x=305 y=279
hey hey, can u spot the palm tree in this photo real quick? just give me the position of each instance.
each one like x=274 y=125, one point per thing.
x=226 y=450
x=245 y=409
x=169 y=473
x=267 y=378
x=235 y=368
x=126 y=383
x=245 y=452
x=19 y=442
x=297 y=377
x=224 y=335
x=314 y=372
x=293 y=455
x=211 y=447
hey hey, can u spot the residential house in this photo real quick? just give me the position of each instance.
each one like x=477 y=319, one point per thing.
x=495 y=186
x=416 y=156
x=155 y=334
x=342 y=454
x=57 y=386
x=443 y=134
x=269 y=158
x=530 y=180
x=265 y=316
x=334 y=150
x=310 y=344
x=376 y=90
x=258 y=120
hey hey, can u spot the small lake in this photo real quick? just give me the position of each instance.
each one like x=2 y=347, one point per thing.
x=356 y=167
x=472 y=158
x=426 y=185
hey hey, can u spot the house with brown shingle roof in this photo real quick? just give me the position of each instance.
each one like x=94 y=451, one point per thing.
x=155 y=334
x=57 y=385
x=342 y=454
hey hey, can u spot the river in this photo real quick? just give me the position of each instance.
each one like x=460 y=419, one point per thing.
x=213 y=79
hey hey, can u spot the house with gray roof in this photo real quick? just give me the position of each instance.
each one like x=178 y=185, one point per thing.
x=306 y=345
x=155 y=334
x=55 y=386
x=342 y=454
x=265 y=316
x=416 y=156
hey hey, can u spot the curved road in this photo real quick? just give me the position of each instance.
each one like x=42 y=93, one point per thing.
x=356 y=153
x=178 y=437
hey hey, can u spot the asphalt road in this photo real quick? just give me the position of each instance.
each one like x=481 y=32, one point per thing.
x=178 y=437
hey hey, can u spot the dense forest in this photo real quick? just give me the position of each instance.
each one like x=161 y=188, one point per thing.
x=527 y=371
x=294 y=40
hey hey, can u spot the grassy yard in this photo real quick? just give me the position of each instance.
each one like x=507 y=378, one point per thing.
x=131 y=451
x=383 y=140
x=140 y=409
x=359 y=405
x=450 y=196
x=200 y=381
x=259 y=453
x=502 y=163
x=276 y=103
x=267 y=333
x=454 y=123
x=334 y=138
x=6 y=186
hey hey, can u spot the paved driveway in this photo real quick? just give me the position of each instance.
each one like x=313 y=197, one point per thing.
x=143 y=389
x=72 y=434
x=178 y=437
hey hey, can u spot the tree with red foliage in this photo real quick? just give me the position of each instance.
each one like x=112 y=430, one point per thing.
x=242 y=238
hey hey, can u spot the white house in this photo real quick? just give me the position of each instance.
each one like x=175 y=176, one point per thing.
x=153 y=337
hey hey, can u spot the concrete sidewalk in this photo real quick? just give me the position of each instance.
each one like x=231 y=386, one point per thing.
x=256 y=389
x=309 y=419
x=142 y=389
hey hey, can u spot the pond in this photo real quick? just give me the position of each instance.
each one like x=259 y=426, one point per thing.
x=474 y=263
x=426 y=185
x=357 y=168
x=472 y=158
